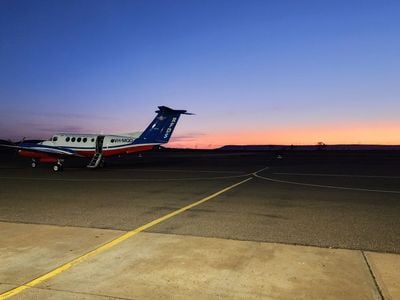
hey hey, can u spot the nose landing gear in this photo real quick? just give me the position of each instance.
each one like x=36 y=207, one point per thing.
x=34 y=163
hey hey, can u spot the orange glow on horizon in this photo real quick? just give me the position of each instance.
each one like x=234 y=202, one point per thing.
x=387 y=133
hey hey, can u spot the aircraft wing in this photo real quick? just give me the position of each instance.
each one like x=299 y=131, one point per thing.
x=57 y=151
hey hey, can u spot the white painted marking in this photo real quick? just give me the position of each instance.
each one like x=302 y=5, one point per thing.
x=338 y=175
x=325 y=186
x=255 y=173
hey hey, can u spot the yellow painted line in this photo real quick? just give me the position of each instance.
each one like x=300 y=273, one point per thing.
x=111 y=244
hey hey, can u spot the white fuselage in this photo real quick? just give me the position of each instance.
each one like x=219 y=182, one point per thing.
x=85 y=144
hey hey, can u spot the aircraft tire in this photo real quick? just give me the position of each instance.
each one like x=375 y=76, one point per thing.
x=57 y=168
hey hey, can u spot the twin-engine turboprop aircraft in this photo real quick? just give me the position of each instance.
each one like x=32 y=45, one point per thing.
x=97 y=147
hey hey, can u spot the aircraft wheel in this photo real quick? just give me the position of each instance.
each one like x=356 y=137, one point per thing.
x=57 y=168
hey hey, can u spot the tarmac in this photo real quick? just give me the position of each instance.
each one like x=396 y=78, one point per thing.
x=203 y=225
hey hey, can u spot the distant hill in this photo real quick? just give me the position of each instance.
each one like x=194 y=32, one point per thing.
x=307 y=147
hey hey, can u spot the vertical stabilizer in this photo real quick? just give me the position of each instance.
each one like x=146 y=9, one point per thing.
x=161 y=128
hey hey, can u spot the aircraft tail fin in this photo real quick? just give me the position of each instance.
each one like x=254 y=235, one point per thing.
x=161 y=128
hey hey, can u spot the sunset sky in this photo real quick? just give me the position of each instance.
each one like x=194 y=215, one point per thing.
x=253 y=72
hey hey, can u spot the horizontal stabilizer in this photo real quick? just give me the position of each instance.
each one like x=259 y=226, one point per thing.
x=165 y=109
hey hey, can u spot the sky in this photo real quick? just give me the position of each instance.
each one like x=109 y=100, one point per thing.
x=253 y=72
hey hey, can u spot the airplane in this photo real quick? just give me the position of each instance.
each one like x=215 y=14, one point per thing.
x=99 y=146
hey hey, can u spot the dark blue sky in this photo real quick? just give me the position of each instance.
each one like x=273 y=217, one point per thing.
x=252 y=71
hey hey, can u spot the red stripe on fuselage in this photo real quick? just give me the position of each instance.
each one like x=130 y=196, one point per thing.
x=117 y=151
x=46 y=157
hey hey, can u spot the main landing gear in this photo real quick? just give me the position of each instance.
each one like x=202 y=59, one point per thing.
x=58 y=166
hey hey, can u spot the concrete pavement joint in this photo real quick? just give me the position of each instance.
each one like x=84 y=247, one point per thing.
x=368 y=272
x=80 y=293
x=271 y=242
x=196 y=235
x=373 y=275
x=67 y=226
x=111 y=244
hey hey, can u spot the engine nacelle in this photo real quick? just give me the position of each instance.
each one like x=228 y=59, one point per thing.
x=48 y=160
x=42 y=157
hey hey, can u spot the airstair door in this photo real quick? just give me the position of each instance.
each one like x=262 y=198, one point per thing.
x=98 y=156
x=99 y=144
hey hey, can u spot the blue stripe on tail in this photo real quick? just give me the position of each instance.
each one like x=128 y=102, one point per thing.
x=161 y=128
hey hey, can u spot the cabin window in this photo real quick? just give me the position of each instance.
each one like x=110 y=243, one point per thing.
x=67 y=139
x=84 y=140
x=73 y=139
x=92 y=140
x=112 y=141
x=55 y=138
x=79 y=140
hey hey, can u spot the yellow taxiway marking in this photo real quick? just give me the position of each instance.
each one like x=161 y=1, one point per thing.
x=111 y=244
